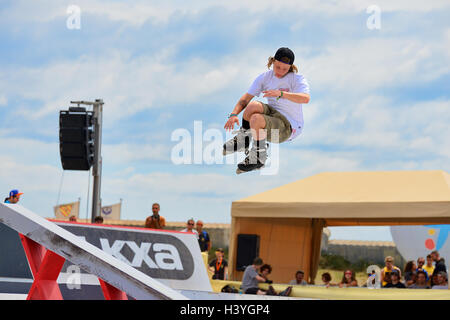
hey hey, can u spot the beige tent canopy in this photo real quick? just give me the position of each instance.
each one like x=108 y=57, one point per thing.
x=289 y=219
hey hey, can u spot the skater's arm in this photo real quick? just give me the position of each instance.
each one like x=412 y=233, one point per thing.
x=296 y=97
x=291 y=96
x=242 y=103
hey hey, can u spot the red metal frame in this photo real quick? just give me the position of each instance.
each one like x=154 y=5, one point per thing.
x=112 y=293
x=46 y=266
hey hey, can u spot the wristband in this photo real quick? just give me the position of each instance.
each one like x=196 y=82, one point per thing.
x=281 y=95
x=232 y=115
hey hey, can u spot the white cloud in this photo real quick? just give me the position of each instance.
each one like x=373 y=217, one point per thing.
x=3 y=100
x=136 y=13
x=379 y=123
x=369 y=64
x=124 y=153
x=126 y=85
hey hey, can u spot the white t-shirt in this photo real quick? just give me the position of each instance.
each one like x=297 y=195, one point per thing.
x=193 y=231
x=291 y=82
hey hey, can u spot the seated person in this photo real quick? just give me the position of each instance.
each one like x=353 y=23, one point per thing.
x=389 y=267
x=251 y=280
x=409 y=271
x=264 y=272
x=348 y=280
x=219 y=266
x=421 y=282
x=299 y=281
x=326 y=279
x=395 y=281
x=412 y=279
x=441 y=281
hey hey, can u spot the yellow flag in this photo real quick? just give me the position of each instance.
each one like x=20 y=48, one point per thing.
x=65 y=211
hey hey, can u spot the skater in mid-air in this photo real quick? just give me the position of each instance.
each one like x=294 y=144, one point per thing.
x=279 y=120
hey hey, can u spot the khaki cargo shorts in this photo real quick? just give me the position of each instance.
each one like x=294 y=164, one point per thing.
x=275 y=120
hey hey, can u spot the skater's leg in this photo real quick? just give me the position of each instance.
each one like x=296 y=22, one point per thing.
x=252 y=107
x=258 y=154
x=242 y=140
x=258 y=124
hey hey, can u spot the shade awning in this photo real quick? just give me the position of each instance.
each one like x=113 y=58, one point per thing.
x=356 y=198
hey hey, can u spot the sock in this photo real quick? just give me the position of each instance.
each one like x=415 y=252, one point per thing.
x=245 y=124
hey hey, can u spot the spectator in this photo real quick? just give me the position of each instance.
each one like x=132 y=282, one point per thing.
x=203 y=237
x=348 y=280
x=299 y=279
x=219 y=266
x=429 y=268
x=14 y=196
x=326 y=279
x=371 y=281
x=72 y=218
x=395 y=281
x=433 y=279
x=441 y=282
x=389 y=267
x=439 y=264
x=264 y=272
x=421 y=282
x=98 y=219
x=251 y=279
x=413 y=279
x=387 y=278
x=420 y=266
x=420 y=263
x=155 y=221
x=190 y=227
x=409 y=269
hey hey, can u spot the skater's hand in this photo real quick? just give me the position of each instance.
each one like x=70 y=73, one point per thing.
x=272 y=93
x=229 y=125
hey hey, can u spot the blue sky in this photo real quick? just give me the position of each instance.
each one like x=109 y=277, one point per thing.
x=379 y=98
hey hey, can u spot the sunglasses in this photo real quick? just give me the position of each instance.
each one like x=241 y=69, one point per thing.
x=190 y=224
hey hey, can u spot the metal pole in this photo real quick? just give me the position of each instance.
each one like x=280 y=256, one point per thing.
x=97 y=167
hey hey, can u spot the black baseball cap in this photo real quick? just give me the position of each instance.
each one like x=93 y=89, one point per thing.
x=285 y=55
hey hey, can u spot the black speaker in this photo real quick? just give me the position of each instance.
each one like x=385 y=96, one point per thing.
x=76 y=139
x=247 y=250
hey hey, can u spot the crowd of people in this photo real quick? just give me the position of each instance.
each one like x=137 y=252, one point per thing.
x=425 y=274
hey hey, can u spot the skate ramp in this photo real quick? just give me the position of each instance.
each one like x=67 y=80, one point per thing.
x=93 y=260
